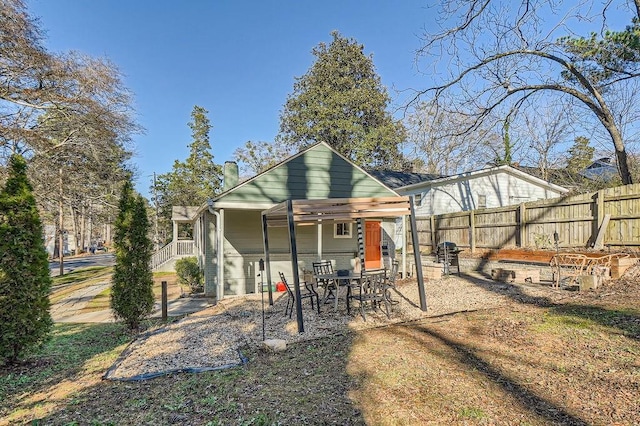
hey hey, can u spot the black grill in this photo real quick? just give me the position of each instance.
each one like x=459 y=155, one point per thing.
x=447 y=254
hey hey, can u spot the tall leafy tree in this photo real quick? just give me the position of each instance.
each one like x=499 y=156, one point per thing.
x=500 y=55
x=25 y=282
x=342 y=102
x=193 y=181
x=132 y=290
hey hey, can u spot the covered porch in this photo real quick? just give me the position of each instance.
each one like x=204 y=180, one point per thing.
x=299 y=212
x=186 y=231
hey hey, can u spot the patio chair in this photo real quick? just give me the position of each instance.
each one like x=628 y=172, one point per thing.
x=373 y=292
x=390 y=282
x=329 y=285
x=306 y=292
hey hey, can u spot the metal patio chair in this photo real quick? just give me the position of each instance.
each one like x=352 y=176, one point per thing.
x=373 y=292
x=329 y=285
x=306 y=292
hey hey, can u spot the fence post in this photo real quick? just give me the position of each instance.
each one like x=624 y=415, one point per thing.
x=598 y=216
x=164 y=301
x=432 y=225
x=522 y=224
x=599 y=208
x=472 y=231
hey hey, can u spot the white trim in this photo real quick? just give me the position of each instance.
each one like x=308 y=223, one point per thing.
x=241 y=205
x=219 y=247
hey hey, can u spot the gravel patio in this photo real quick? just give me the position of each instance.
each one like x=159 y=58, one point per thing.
x=214 y=337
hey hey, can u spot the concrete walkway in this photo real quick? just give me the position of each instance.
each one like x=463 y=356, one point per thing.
x=69 y=309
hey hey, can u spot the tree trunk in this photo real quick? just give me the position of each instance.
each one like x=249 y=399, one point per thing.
x=74 y=224
x=83 y=229
x=621 y=153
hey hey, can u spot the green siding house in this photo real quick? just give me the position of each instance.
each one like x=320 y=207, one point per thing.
x=228 y=236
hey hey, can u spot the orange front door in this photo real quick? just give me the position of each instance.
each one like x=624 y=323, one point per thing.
x=372 y=237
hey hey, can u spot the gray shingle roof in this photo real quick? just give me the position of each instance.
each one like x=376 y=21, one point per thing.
x=395 y=180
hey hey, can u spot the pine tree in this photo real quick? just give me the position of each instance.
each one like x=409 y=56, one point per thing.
x=580 y=155
x=190 y=182
x=132 y=291
x=341 y=101
x=25 y=282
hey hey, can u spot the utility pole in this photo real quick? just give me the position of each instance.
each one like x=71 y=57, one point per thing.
x=156 y=239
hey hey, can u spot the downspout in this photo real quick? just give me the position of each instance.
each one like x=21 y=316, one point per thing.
x=404 y=246
x=220 y=253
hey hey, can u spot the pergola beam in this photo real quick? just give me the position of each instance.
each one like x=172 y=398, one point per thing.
x=305 y=212
x=280 y=220
x=338 y=210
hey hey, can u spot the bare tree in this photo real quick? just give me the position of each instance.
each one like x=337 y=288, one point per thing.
x=499 y=55
x=69 y=114
x=437 y=145
x=545 y=130
x=255 y=157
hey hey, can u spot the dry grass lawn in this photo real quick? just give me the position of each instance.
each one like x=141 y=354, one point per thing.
x=556 y=357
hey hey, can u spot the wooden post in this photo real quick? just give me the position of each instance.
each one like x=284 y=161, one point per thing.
x=522 y=224
x=265 y=239
x=597 y=244
x=432 y=225
x=599 y=208
x=404 y=247
x=472 y=231
x=164 y=301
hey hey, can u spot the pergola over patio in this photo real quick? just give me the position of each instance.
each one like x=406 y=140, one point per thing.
x=290 y=212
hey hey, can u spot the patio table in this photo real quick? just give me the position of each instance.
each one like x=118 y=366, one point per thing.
x=345 y=280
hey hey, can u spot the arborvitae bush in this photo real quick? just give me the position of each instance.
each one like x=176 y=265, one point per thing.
x=132 y=290
x=25 y=283
x=189 y=274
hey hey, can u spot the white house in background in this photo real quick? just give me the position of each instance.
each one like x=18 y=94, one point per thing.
x=486 y=188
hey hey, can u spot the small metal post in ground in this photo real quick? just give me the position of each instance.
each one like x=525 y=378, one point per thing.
x=261 y=266
x=164 y=301
x=556 y=238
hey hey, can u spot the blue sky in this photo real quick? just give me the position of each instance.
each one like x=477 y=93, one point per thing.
x=237 y=59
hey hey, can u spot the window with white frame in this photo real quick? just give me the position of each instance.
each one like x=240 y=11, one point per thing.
x=482 y=201
x=417 y=199
x=342 y=230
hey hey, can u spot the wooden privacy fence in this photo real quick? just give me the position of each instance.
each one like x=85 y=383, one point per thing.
x=609 y=217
